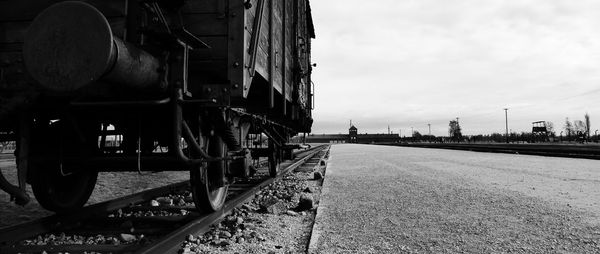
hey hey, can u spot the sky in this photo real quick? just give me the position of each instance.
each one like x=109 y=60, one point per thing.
x=411 y=63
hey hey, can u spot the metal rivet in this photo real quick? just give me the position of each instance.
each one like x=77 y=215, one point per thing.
x=209 y=89
x=236 y=86
x=236 y=64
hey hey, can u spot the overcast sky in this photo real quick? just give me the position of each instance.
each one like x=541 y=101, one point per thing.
x=413 y=62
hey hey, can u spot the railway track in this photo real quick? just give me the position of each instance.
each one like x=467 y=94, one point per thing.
x=153 y=221
x=553 y=150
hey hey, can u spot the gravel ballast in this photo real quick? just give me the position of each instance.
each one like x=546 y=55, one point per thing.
x=278 y=219
x=109 y=186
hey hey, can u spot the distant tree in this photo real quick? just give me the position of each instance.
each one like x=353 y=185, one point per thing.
x=454 y=130
x=550 y=129
x=529 y=137
x=497 y=137
x=579 y=127
x=429 y=138
x=568 y=127
x=417 y=136
x=587 y=125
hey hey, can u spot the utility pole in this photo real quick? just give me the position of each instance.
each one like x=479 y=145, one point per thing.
x=429 y=128
x=506 y=119
x=389 y=130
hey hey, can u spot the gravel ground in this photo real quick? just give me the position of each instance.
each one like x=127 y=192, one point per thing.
x=109 y=186
x=411 y=200
x=277 y=220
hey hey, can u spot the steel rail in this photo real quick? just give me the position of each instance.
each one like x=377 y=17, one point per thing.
x=57 y=221
x=10 y=236
x=172 y=242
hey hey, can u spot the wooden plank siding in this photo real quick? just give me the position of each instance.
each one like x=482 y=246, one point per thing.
x=262 y=57
x=303 y=54
x=207 y=20
x=277 y=45
x=289 y=48
x=226 y=26
x=275 y=49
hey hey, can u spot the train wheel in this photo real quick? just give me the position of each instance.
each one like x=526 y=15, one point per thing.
x=274 y=159
x=208 y=190
x=62 y=193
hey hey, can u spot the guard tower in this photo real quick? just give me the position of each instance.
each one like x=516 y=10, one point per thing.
x=539 y=131
x=352 y=134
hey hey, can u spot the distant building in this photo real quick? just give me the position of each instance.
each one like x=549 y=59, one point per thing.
x=352 y=134
x=327 y=138
x=352 y=137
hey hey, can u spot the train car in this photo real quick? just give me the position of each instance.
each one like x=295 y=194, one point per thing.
x=156 y=85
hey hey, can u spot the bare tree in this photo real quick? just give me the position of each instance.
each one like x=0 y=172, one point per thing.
x=550 y=128
x=568 y=127
x=587 y=125
x=579 y=127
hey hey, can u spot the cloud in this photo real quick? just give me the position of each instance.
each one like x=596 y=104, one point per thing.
x=414 y=62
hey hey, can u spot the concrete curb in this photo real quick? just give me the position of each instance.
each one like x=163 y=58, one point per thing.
x=316 y=227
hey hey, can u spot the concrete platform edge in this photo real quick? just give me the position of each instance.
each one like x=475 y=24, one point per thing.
x=317 y=228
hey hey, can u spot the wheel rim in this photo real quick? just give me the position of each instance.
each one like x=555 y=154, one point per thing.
x=274 y=160
x=273 y=166
x=207 y=195
x=59 y=193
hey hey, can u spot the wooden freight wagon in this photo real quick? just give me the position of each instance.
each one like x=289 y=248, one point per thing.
x=258 y=50
x=205 y=79
x=262 y=47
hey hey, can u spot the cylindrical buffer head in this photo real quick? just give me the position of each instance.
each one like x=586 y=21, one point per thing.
x=68 y=46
